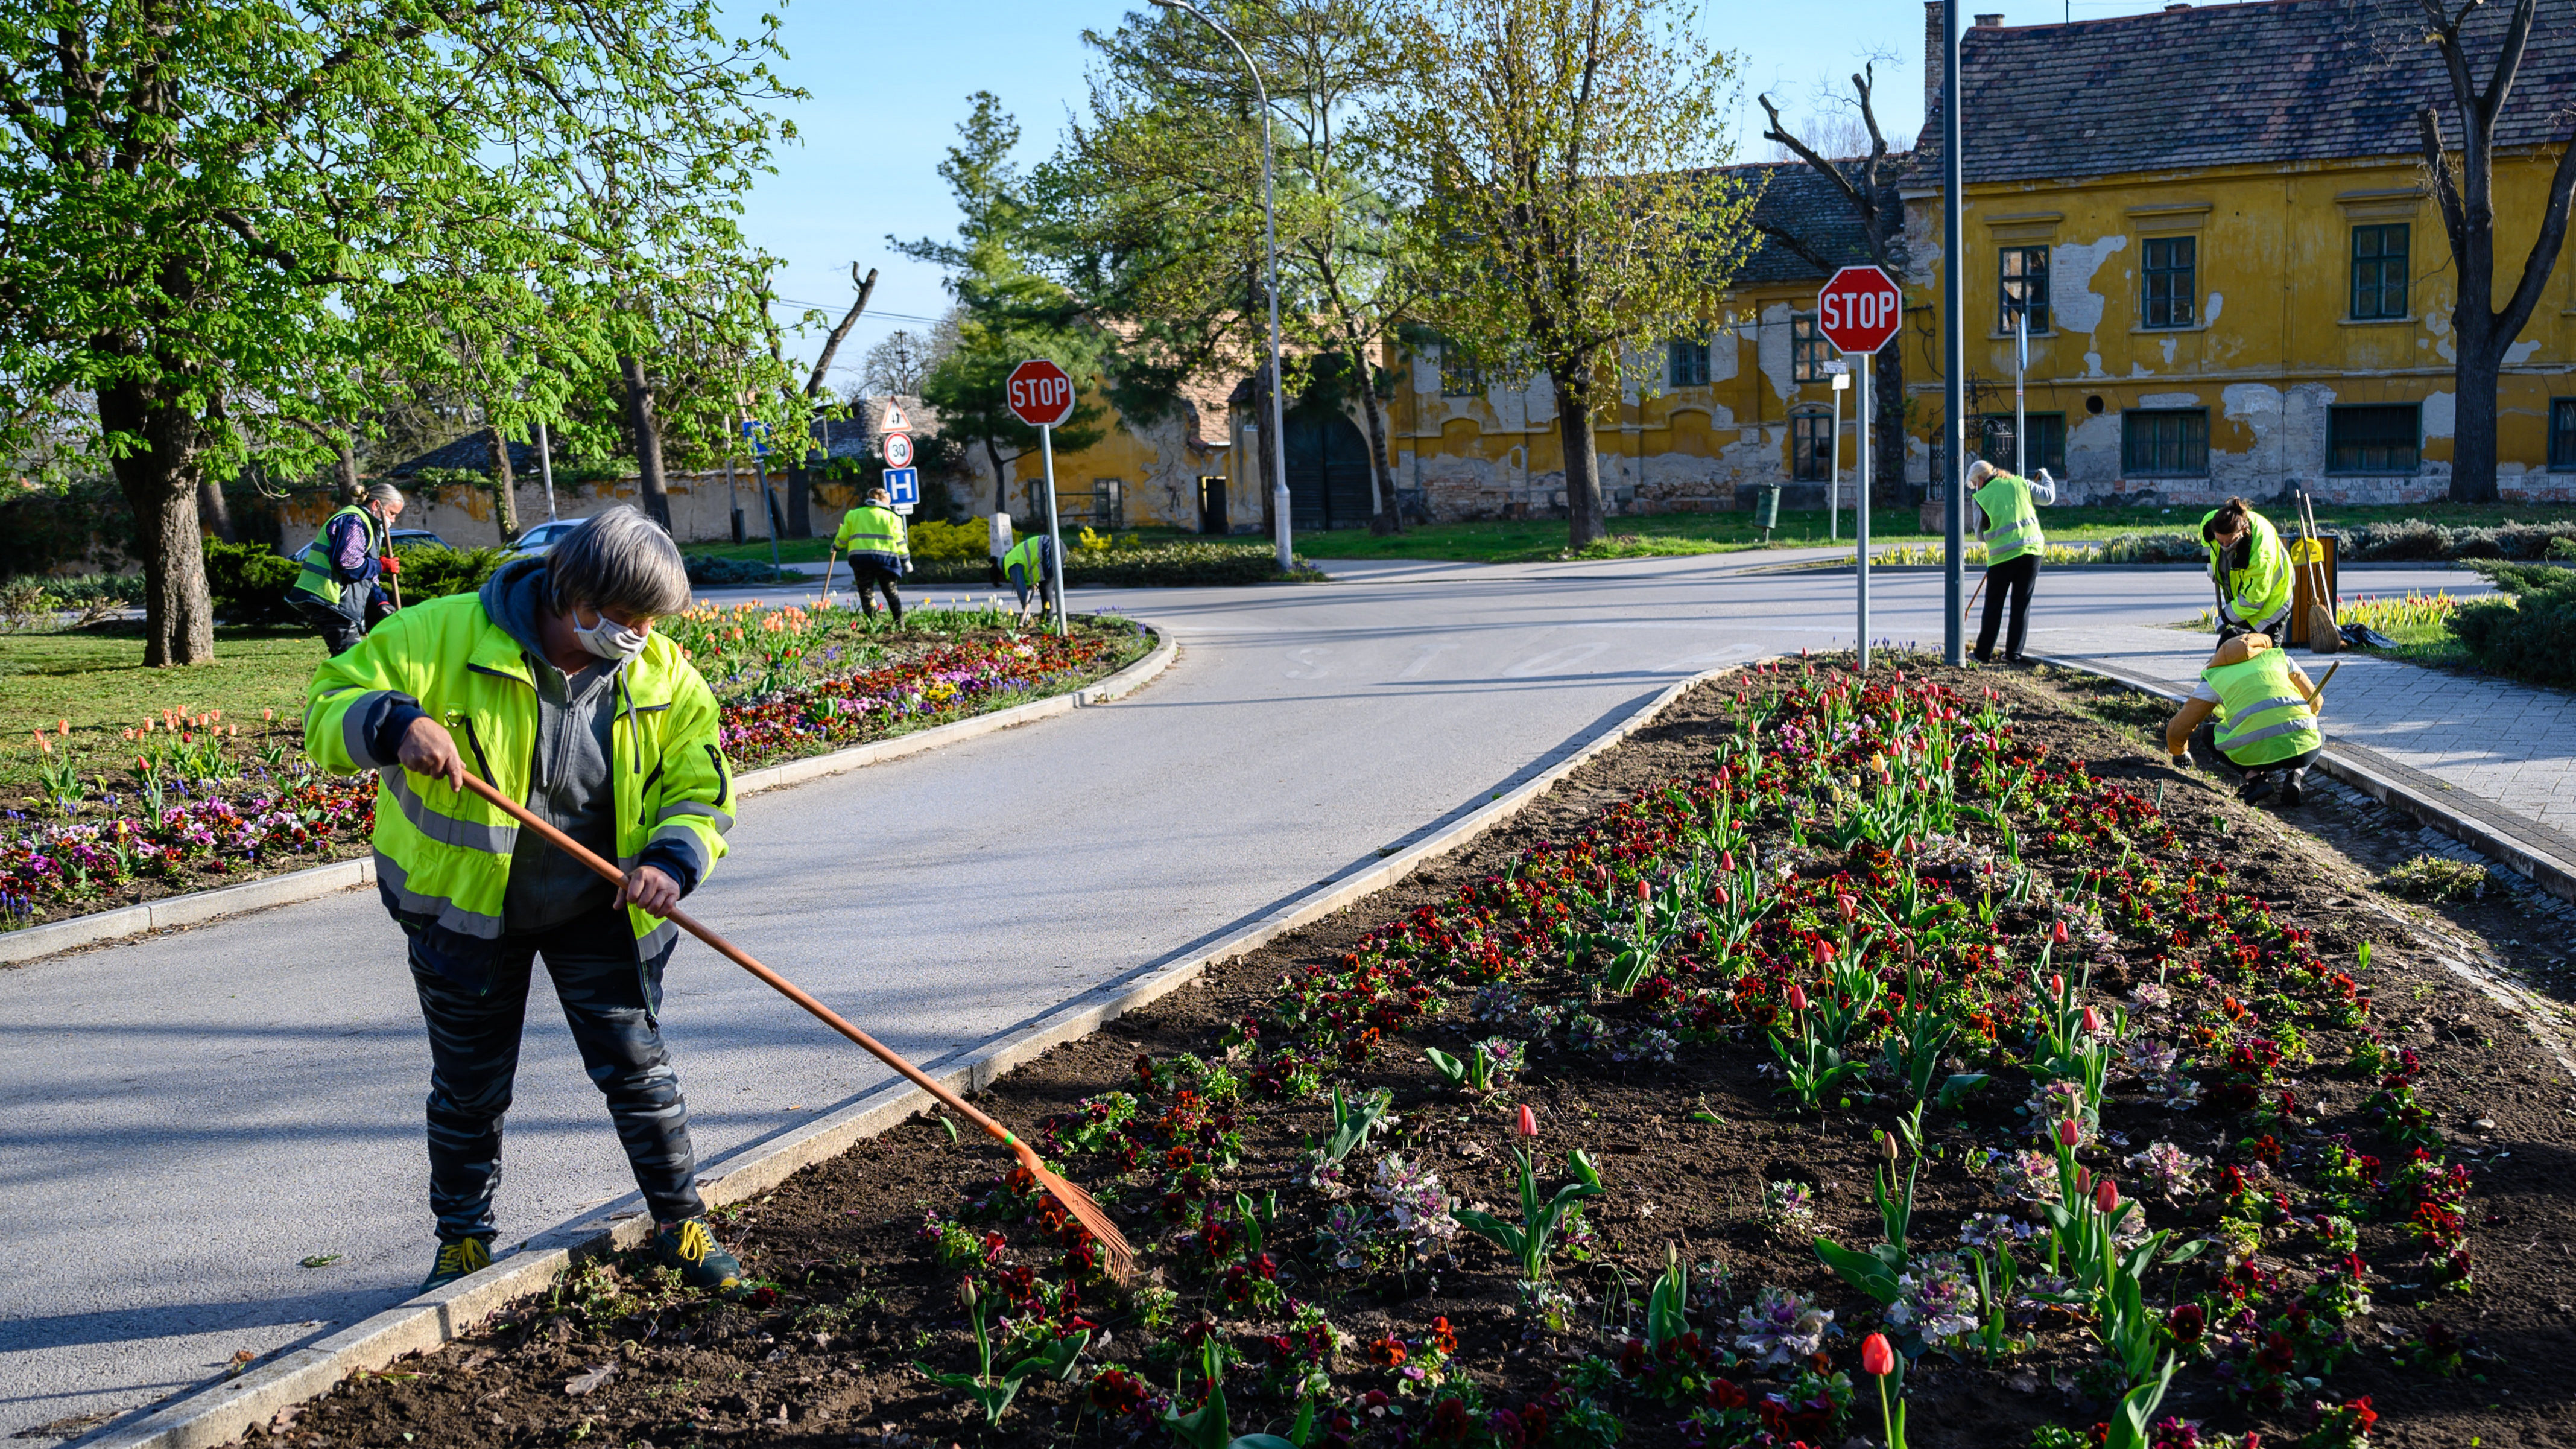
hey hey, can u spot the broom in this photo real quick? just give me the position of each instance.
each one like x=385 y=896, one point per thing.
x=1080 y=1203
x=2323 y=636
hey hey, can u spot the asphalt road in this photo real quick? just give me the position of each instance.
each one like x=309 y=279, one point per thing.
x=184 y=1120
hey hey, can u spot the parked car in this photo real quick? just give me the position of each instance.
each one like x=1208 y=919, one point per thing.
x=536 y=541
x=402 y=538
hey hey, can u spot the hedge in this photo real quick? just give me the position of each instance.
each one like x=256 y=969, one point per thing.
x=1172 y=563
x=2530 y=633
x=250 y=582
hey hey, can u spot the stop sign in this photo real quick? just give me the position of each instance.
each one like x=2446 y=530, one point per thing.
x=1860 y=309
x=1040 y=394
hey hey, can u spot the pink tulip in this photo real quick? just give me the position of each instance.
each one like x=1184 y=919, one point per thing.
x=1849 y=905
x=1527 y=1126
x=1797 y=998
x=2068 y=1134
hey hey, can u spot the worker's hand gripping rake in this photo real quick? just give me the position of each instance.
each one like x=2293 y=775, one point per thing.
x=1121 y=1258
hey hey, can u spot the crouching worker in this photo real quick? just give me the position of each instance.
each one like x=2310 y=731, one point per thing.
x=552 y=685
x=2266 y=727
x=1028 y=567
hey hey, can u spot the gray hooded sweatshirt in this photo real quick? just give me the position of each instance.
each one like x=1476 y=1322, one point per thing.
x=568 y=781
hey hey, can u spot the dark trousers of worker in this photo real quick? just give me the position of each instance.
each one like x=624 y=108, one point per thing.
x=2018 y=576
x=865 y=575
x=1042 y=586
x=474 y=1030
x=2206 y=738
x=340 y=628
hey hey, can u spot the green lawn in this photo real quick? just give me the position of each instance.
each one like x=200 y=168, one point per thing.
x=96 y=680
x=1653 y=535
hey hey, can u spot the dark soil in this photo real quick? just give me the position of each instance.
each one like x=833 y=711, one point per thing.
x=823 y=1354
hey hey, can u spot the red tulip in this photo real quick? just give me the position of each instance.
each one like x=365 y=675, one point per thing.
x=1645 y=892
x=2084 y=1181
x=2057 y=933
x=2092 y=1021
x=1797 y=998
x=2057 y=986
x=2105 y=1196
x=1726 y=861
x=1876 y=1357
x=2068 y=1134
x=1527 y=1126
x=1849 y=905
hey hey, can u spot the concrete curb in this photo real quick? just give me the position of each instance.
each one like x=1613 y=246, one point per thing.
x=36 y=942
x=218 y=1414
x=2345 y=567
x=2541 y=854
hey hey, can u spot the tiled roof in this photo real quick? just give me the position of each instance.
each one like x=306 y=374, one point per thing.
x=1812 y=209
x=2218 y=85
x=473 y=454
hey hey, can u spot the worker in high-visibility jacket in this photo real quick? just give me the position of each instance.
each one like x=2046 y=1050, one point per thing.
x=872 y=534
x=338 y=586
x=551 y=684
x=2014 y=547
x=1028 y=568
x=2250 y=567
x=2266 y=718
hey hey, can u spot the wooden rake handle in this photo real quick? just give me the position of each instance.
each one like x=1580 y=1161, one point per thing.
x=744 y=959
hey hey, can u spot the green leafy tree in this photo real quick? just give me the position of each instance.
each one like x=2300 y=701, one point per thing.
x=229 y=217
x=1556 y=148
x=1008 y=312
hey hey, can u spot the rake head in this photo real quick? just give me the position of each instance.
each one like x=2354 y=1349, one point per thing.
x=1093 y=1217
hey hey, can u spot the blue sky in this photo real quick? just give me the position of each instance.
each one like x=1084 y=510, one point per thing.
x=889 y=82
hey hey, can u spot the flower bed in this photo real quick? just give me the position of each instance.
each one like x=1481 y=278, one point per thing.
x=1866 y=1029
x=200 y=805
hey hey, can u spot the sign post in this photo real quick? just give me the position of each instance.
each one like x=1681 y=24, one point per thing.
x=1859 y=311
x=1840 y=367
x=1041 y=395
x=2021 y=365
x=758 y=432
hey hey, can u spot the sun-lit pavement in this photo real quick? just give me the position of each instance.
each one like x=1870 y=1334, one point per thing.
x=184 y=1119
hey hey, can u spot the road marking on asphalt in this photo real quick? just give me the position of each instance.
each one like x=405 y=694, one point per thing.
x=1423 y=655
x=1310 y=662
x=1554 y=659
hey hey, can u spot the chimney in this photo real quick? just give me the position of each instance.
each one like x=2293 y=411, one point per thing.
x=1934 y=35
x=1994 y=22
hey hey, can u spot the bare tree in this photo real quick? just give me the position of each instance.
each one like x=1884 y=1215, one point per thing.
x=1868 y=186
x=2463 y=183
x=895 y=366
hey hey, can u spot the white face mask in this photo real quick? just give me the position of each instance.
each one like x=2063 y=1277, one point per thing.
x=609 y=639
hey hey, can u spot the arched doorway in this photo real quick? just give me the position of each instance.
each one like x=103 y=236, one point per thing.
x=1328 y=471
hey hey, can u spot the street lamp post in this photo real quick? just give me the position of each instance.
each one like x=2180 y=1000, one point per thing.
x=1270 y=245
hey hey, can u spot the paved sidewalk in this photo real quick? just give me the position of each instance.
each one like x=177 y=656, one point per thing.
x=2508 y=744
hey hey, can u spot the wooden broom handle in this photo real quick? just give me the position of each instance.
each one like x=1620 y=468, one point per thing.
x=744 y=959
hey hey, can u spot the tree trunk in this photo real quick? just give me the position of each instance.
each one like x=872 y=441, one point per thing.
x=505 y=486
x=350 y=484
x=800 y=502
x=1001 y=480
x=159 y=480
x=213 y=513
x=2473 y=437
x=1582 y=459
x=1390 y=513
x=647 y=429
x=1887 y=429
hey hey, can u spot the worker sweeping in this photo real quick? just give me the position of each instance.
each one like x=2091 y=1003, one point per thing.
x=551 y=684
x=872 y=534
x=2266 y=726
x=1028 y=567
x=338 y=591
x=2014 y=546
x=2250 y=568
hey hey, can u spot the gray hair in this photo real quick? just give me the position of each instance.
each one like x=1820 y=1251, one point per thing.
x=382 y=492
x=1981 y=470
x=618 y=559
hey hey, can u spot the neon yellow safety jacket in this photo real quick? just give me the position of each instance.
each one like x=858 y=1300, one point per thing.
x=870 y=529
x=2263 y=716
x=443 y=855
x=318 y=577
x=2011 y=518
x=1029 y=553
x=2254 y=596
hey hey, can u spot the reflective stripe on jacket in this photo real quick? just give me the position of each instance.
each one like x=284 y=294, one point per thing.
x=2263 y=718
x=872 y=530
x=2012 y=520
x=321 y=577
x=444 y=855
x=1031 y=554
x=2262 y=590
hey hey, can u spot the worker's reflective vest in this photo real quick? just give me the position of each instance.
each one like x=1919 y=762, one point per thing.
x=443 y=855
x=2262 y=591
x=2263 y=718
x=2012 y=521
x=1030 y=554
x=871 y=531
x=321 y=577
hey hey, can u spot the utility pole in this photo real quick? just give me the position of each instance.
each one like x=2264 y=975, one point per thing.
x=1954 y=352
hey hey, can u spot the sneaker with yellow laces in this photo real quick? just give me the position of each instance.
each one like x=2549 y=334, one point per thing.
x=687 y=1248
x=455 y=1259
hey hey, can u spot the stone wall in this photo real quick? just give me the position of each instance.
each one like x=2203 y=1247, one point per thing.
x=701 y=508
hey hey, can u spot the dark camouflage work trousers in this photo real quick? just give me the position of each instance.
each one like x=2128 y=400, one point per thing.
x=474 y=1035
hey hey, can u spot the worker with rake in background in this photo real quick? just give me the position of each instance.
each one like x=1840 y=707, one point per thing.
x=2266 y=726
x=2250 y=567
x=873 y=536
x=2014 y=547
x=550 y=684
x=338 y=590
